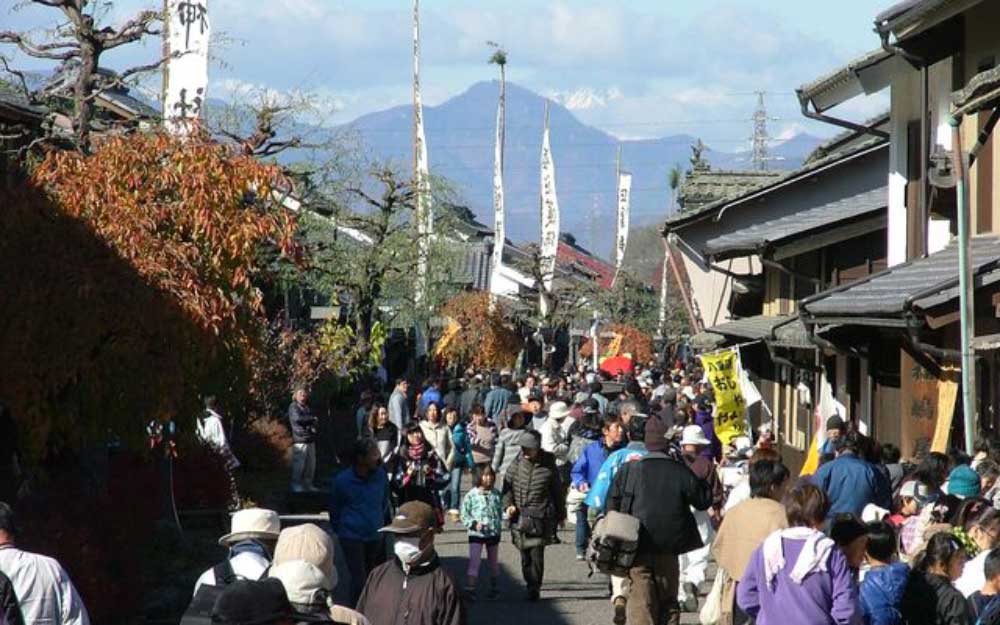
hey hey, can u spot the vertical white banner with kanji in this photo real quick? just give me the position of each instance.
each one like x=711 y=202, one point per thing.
x=499 y=227
x=550 y=217
x=188 y=32
x=425 y=203
x=624 y=200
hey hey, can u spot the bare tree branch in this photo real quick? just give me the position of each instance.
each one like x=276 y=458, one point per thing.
x=133 y=30
x=20 y=77
x=41 y=51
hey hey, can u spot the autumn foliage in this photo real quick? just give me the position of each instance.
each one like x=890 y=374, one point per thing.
x=634 y=342
x=128 y=288
x=187 y=215
x=475 y=335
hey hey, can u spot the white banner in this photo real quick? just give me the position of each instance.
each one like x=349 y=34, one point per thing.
x=624 y=197
x=550 y=212
x=425 y=203
x=499 y=228
x=187 y=66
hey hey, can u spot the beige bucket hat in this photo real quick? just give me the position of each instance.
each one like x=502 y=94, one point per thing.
x=252 y=524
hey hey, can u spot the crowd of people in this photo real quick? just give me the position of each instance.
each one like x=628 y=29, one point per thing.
x=866 y=538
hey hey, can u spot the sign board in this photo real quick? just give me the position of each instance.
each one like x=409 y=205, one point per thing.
x=722 y=370
x=927 y=404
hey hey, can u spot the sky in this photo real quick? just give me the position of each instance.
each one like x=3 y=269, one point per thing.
x=634 y=68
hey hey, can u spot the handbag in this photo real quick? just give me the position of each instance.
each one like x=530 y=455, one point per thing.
x=711 y=612
x=532 y=523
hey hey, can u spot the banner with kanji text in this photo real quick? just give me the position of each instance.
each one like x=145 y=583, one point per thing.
x=723 y=372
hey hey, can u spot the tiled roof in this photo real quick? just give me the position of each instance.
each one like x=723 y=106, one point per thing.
x=847 y=151
x=474 y=268
x=931 y=280
x=762 y=234
x=702 y=187
x=982 y=91
x=846 y=78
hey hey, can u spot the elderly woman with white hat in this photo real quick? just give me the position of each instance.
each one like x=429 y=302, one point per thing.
x=251 y=541
x=694 y=564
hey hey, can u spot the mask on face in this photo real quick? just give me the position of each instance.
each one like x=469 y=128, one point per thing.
x=407 y=549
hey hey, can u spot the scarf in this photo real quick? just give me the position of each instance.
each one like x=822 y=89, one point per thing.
x=416 y=452
x=814 y=555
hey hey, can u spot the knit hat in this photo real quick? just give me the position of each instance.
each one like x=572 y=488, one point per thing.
x=306 y=542
x=964 y=482
x=656 y=435
x=835 y=423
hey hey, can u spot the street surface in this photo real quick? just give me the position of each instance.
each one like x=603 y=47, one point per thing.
x=569 y=597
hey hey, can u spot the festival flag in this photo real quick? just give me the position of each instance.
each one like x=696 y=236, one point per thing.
x=499 y=228
x=550 y=218
x=425 y=203
x=187 y=37
x=621 y=241
x=826 y=407
x=722 y=372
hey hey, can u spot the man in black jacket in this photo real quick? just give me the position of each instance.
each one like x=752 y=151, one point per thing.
x=412 y=588
x=660 y=491
x=303 y=423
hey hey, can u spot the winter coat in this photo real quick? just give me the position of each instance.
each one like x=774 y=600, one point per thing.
x=535 y=489
x=387 y=439
x=484 y=508
x=597 y=496
x=469 y=398
x=303 y=423
x=580 y=438
x=852 y=484
x=438 y=436
x=425 y=595
x=932 y=600
x=507 y=449
x=704 y=468
x=358 y=505
x=555 y=438
x=428 y=479
x=703 y=418
x=588 y=465
x=495 y=403
x=484 y=442
x=881 y=593
x=462 y=447
x=660 y=492
x=399 y=409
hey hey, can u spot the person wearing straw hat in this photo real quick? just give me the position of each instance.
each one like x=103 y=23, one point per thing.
x=694 y=564
x=413 y=587
x=251 y=541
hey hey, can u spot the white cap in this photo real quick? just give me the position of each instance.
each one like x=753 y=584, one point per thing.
x=304 y=583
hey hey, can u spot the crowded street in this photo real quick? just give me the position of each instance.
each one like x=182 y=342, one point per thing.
x=536 y=312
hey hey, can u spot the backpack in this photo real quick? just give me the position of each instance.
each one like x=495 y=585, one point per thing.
x=200 y=610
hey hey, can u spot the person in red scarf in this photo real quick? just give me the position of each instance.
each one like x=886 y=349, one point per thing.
x=419 y=474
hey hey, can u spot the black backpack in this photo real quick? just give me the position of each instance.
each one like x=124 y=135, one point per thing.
x=200 y=610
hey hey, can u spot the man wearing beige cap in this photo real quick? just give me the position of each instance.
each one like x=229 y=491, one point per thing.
x=412 y=588
x=251 y=541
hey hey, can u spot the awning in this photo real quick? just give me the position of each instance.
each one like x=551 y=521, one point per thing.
x=982 y=92
x=750 y=329
x=842 y=219
x=865 y=75
x=912 y=17
x=923 y=283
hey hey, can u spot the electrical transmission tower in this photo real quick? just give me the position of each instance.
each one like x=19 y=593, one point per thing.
x=759 y=155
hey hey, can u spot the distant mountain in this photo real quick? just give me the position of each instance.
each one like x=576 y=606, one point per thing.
x=460 y=136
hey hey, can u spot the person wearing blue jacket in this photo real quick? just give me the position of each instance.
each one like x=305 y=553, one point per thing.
x=358 y=509
x=851 y=482
x=463 y=460
x=882 y=589
x=585 y=473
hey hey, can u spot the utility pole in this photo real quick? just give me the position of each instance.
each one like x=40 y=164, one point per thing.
x=760 y=138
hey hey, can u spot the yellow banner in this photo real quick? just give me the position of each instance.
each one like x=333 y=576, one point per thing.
x=730 y=406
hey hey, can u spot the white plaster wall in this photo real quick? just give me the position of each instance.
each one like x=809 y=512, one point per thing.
x=711 y=289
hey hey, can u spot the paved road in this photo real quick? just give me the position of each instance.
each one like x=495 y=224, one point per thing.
x=569 y=597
